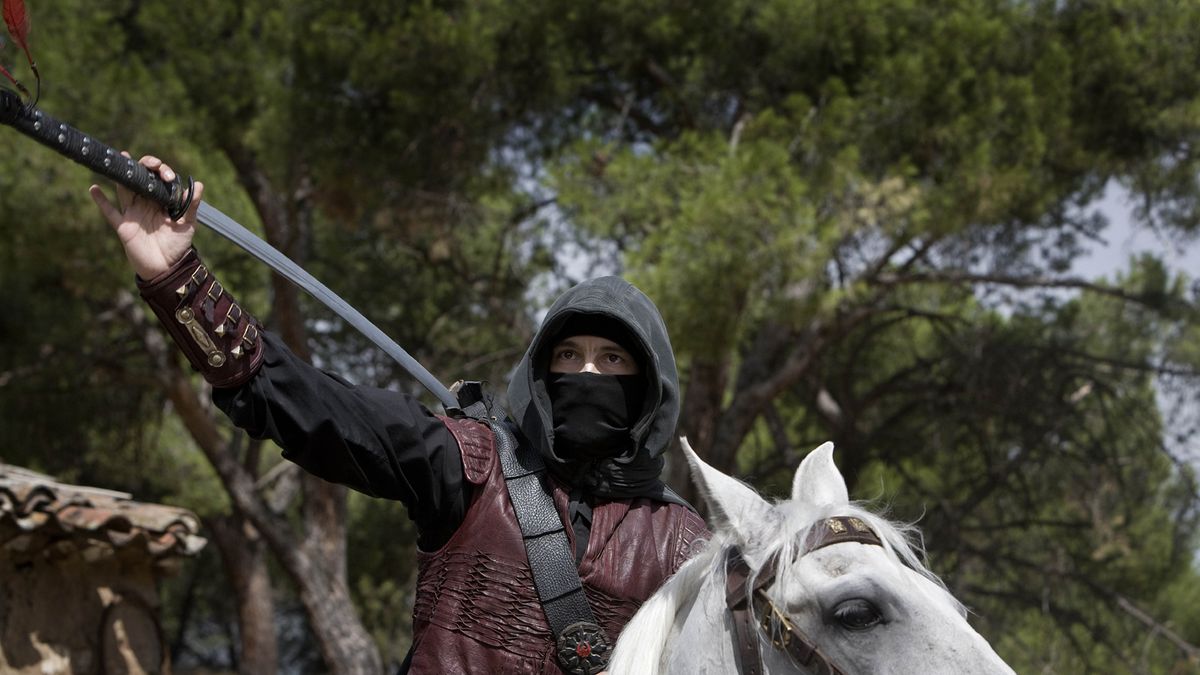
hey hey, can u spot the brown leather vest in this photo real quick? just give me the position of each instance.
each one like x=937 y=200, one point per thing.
x=476 y=609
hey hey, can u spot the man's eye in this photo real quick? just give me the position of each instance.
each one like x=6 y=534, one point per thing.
x=615 y=358
x=566 y=354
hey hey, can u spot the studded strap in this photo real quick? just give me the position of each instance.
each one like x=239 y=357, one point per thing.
x=218 y=337
x=581 y=645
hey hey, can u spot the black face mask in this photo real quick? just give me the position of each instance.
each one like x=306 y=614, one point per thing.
x=593 y=414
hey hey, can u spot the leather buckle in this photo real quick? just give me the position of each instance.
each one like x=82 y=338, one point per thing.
x=583 y=648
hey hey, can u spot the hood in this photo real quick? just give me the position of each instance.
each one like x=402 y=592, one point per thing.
x=636 y=474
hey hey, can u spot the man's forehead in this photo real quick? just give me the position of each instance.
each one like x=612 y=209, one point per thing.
x=581 y=340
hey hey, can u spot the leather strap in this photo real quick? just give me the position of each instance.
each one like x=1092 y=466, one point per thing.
x=581 y=644
x=737 y=599
x=753 y=611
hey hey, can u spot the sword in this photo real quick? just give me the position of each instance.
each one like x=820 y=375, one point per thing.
x=175 y=197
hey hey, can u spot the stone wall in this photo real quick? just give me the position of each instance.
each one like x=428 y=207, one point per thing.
x=63 y=614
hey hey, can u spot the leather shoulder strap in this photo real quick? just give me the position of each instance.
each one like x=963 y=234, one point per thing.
x=581 y=644
x=476 y=444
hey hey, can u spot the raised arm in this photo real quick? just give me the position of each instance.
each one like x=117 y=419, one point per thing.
x=377 y=441
x=380 y=442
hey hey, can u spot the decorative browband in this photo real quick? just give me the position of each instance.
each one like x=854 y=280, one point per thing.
x=838 y=530
x=219 y=338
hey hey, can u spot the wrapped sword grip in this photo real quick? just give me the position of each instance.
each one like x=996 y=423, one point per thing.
x=174 y=197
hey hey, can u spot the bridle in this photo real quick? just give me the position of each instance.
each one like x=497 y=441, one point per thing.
x=754 y=608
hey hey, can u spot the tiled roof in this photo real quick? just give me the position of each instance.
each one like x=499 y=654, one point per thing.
x=38 y=513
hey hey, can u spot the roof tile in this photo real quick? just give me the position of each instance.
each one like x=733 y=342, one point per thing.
x=38 y=504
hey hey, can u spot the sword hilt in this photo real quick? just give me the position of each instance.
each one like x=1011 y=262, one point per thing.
x=175 y=197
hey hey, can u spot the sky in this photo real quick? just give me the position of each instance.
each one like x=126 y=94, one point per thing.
x=1124 y=240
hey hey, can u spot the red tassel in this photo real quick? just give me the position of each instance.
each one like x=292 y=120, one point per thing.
x=19 y=86
x=17 y=20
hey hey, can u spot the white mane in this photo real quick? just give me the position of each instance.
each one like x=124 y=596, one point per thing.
x=645 y=638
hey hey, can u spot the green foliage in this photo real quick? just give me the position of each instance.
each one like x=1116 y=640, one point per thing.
x=383 y=567
x=1036 y=471
x=694 y=233
x=840 y=204
x=426 y=233
x=848 y=212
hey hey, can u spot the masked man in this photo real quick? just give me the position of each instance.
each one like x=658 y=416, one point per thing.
x=596 y=397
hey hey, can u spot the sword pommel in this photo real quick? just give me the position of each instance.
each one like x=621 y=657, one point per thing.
x=174 y=197
x=10 y=106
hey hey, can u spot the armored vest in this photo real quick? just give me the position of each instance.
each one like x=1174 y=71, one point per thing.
x=476 y=608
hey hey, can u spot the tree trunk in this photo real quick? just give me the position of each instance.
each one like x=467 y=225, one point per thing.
x=706 y=381
x=245 y=560
x=316 y=561
x=345 y=644
x=776 y=359
x=325 y=514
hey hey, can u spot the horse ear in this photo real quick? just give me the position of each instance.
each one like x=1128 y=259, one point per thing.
x=818 y=480
x=731 y=502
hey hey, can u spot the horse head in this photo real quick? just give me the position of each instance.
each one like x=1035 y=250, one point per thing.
x=814 y=584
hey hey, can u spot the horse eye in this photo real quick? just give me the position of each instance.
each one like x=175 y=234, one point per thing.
x=857 y=614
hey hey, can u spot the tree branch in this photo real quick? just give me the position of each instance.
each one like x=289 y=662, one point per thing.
x=752 y=397
x=1133 y=365
x=1126 y=605
x=959 y=277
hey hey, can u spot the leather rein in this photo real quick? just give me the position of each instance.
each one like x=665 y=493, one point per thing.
x=752 y=609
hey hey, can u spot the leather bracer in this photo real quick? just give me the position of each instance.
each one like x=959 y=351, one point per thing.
x=220 y=340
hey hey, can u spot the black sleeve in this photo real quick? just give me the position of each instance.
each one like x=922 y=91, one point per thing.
x=379 y=442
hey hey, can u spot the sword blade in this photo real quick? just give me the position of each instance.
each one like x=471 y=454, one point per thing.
x=229 y=228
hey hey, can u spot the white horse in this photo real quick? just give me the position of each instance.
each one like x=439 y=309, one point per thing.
x=826 y=587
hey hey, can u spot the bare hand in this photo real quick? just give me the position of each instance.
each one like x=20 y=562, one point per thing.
x=153 y=242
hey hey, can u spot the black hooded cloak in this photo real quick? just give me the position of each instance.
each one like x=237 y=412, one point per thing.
x=637 y=473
